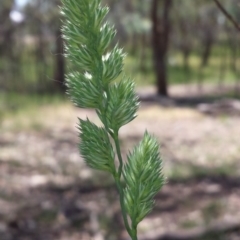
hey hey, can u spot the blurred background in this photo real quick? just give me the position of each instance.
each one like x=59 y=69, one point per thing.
x=184 y=57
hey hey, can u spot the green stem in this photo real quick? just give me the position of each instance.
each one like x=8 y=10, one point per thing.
x=134 y=233
x=117 y=176
x=117 y=144
x=119 y=184
x=121 y=194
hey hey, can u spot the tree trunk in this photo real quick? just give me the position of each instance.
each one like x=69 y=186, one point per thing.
x=207 y=48
x=60 y=64
x=160 y=42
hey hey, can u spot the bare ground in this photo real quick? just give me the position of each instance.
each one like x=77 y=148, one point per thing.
x=47 y=192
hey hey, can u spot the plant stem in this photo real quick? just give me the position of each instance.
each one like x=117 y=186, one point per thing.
x=117 y=144
x=120 y=190
x=117 y=176
x=134 y=233
x=119 y=184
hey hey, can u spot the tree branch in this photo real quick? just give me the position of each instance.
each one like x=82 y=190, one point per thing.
x=227 y=15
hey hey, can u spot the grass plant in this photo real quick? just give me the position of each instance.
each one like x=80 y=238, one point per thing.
x=93 y=85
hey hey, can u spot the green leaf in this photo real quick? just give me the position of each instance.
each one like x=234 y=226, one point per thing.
x=96 y=147
x=143 y=177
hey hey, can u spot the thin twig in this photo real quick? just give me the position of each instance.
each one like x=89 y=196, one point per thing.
x=227 y=15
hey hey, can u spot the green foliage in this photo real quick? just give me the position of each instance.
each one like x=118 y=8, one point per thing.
x=143 y=178
x=92 y=86
x=122 y=106
x=96 y=147
x=83 y=92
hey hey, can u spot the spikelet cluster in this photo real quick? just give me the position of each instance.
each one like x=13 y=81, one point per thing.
x=88 y=38
x=143 y=177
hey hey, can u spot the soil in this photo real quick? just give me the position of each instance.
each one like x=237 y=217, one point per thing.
x=48 y=193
